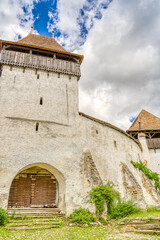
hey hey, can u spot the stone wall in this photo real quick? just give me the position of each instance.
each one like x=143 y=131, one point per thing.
x=155 y=160
x=80 y=153
x=22 y=88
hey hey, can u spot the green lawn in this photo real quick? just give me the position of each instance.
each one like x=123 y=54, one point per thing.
x=147 y=214
x=74 y=233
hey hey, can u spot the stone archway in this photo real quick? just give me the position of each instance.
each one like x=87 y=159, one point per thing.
x=36 y=186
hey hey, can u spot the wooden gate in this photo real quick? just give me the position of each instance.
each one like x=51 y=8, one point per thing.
x=33 y=189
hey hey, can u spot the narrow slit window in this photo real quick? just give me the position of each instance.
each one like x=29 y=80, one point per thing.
x=41 y=101
x=115 y=145
x=37 y=126
x=69 y=77
x=58 y=75
x=37 y=76
x=10 y=68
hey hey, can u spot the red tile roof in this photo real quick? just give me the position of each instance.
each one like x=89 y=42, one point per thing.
x=42 y=41
x=147 y=122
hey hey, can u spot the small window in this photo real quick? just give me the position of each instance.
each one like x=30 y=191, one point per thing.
x=10 y=68
x=47 y=74
x=58 y=75
x=37 y=126
x=69 y=77
x=37 y=76
x=115 y=145
x=41 y=101
x=23 y=70
x=97 y=131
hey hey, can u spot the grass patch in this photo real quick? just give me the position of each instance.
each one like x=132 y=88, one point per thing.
x=150 y=213
x=74 y=233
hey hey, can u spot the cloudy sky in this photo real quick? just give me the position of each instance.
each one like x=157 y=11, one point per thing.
x=120 y=41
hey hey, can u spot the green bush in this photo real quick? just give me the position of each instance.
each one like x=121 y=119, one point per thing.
x=3 y=217
x=103 y=195
x=148 y=173
x=123 y=209
x=82 y=216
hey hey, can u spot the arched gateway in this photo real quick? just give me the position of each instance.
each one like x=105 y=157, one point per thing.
x=33 y=187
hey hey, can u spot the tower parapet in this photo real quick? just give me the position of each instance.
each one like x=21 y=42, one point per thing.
x=39 y=52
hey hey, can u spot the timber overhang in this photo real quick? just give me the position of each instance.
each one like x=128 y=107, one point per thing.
x=3 y=42
x=22 y=59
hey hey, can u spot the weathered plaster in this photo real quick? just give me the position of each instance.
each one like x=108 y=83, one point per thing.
x=80 y=152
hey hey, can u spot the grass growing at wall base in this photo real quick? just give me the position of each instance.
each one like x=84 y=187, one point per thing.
x=3 y=217
x=148 y=173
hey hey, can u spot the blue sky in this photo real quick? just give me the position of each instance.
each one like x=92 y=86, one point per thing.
x=41 y=18
x=120 y=43
x=40 y=12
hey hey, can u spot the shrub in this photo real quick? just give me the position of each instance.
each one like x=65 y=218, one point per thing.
x=123 y=209
x=82 y=216
x=3 y=216
x=148 y=173
x=101 y=195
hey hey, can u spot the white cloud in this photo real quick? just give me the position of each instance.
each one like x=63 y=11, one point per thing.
x=122 y=56
x=14 y=19
x=69 y=18
x=120 y=71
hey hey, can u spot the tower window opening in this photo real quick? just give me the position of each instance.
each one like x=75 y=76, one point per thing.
x=115 y=145
x=10 y=68
x=41 y=101
x=37 y=76
x=58 y=75
x=69 y=77
x=37 y=126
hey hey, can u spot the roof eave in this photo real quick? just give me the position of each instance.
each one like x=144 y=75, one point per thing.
x=42 y=48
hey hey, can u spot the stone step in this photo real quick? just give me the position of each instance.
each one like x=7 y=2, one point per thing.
x=133 y=223
x=33 y=224
x=148 y=227
x=147 y=231
x=30 y=228
x=141 y=219
x=31 y=220
x=38 y=217
x=34 y=210
x=36 y=214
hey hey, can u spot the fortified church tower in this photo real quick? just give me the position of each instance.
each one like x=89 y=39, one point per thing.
x=51 y=155
x=39 y=91
x=42 y=81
